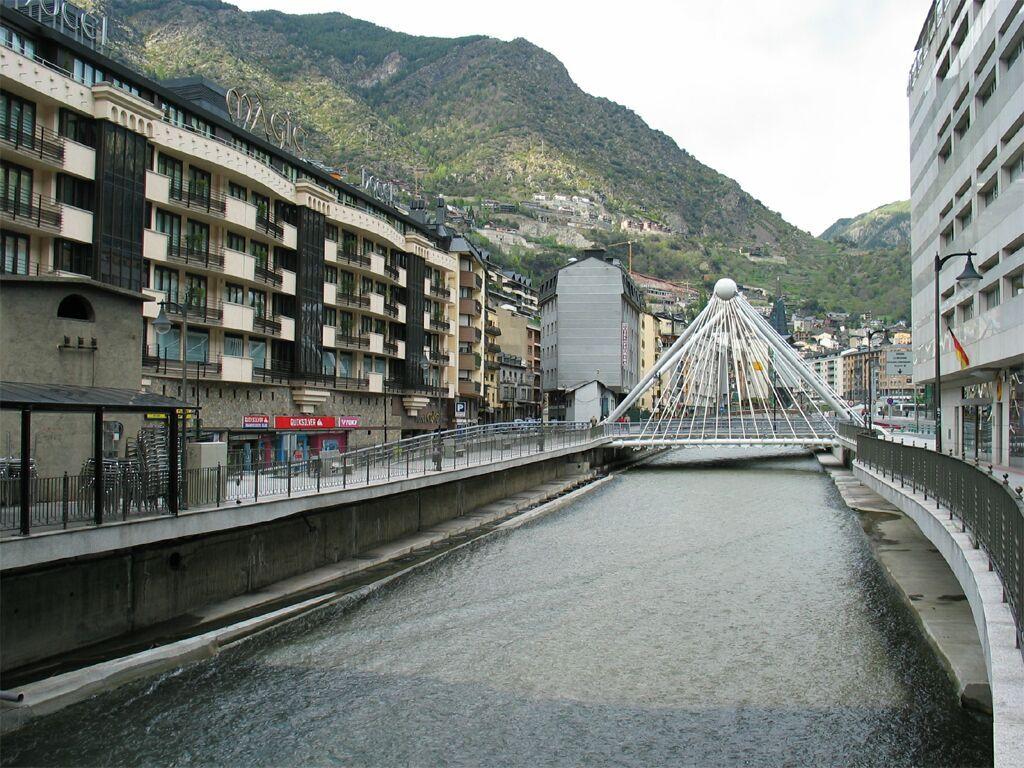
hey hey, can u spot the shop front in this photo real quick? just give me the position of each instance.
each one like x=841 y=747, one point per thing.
x=265 y=439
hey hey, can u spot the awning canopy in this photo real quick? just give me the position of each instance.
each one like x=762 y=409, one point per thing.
x=67 y=397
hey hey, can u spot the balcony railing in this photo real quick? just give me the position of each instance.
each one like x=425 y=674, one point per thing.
x=440 y=358
x=351 y=300
x=353 y=257
x=342 y=339
x=35 y=211
x=492 y=330
x=390 y=347
x=267 y=325
x=41 y=142
x=439 y=324
x=208 y=256
x=440 y=291
x=168 y=361
x=391 y=271
x=268 y=224
x=210 y=313
x=268 y=274
x=198 y=197
x=391 y=310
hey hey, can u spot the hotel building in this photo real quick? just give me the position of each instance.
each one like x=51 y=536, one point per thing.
x=966 y=94
x=302 y=295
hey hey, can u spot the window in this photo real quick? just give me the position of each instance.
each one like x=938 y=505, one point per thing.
x=166 y=280
x=1014 y=169
x=344 y=325
x=74 y=257
x=72 y=191
x=259 y=251
x=17 y=42
x=17 y=119
x=1015 y=283
x=258 y=301
x=173 y=169
x=262 y=204
x=330 y=274
x=236 y=242
x=328 y=362
x=345 y=364
x=331 y=232
x=234 y=293
x=13 y=253
x=1014 y=52
x=197 y=345
x=233 y=345
x=237 y=191
x=967 y=311
x=77 y=127
x=258 y=353
x=987 y=89
x=199 y=184
x=196 y=290
x=990 y=297
x=990 y=194
x=330 y=316
x=170 y=225
x=75 y=307
x=197 y=237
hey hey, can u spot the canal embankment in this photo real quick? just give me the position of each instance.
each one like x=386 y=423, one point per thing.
x=924 y=580
x=204 y=632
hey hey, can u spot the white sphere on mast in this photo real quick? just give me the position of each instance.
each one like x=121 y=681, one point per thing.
x=725 y=289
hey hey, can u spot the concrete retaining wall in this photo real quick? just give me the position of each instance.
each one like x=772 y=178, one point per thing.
x=52 y=608
x=984 y=593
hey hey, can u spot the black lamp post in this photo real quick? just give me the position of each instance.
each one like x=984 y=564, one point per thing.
x=965 y=279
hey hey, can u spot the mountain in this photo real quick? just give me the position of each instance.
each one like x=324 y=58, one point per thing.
x=479 y=119
x=887 y=226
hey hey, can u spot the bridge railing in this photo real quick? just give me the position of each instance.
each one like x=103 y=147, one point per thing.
x=70 y=501
x=985 y=506
x=849 y=430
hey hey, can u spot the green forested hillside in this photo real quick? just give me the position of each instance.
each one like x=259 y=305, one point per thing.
x=475 y=118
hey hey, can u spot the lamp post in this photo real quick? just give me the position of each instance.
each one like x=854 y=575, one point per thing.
x=870 y=403
x=965 y=279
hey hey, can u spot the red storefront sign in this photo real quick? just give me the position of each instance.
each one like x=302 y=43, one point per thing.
x=316 y=422
x=255 y=421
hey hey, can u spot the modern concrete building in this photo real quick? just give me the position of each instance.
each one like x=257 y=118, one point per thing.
x=590 y=329
x=472 y=405
x=966 y=94
x=302 y=295
x=650 y=349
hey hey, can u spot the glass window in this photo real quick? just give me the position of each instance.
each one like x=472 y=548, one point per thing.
x=329 y=362
x=72 y=191
x=236 y=242
x=330 y=274
x=345 y=326
x=258 y=301
x=258 y=353
x=330 y=316
x=77 y=127
x=168 y=345
x=197 y=350
x=237 y=191
x=345 y=364
x=233 y=345
x=234 y=293
x=1015 y=382
x=166 y=280
x=259 y=251
x=16 y=41
x=173 y=169
x=13 y=253
x=331 y=232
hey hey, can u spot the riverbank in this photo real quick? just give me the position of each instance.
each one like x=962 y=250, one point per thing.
x=925 y=582
x=226 y=623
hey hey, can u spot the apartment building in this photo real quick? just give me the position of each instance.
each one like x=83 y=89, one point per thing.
x=590 y=332
x=650 y=349
x=472 y=405
x=512 y=361
x=888 y=368
x=828 y=366
x=297 y=295
x=966 y=93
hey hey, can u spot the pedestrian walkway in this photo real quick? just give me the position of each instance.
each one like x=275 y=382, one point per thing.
x=926 y=582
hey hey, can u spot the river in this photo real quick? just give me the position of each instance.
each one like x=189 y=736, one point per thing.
x=685 y=613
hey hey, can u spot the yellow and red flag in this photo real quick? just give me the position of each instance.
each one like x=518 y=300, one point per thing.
x=961 y=355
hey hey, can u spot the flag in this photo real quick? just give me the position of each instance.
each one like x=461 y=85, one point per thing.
x=958 y=348
x=758 y=366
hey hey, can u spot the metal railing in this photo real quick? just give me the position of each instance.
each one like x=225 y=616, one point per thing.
x=986 y=507
x=168 y=361
x=208 y=255
x=36 y=211
x=198 y=197
x=69 y=501
x=269 y=274
x=40 y=142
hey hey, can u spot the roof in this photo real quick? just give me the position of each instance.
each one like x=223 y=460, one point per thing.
x=67 y=397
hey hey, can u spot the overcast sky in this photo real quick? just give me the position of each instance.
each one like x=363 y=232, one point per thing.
x=803 y=102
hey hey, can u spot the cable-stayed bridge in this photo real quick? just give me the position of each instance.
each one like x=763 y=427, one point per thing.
x=731 y=379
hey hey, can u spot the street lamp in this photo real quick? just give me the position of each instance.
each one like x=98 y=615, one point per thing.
x=965 y=279
x=870 y=403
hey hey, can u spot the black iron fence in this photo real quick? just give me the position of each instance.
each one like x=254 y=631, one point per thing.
x=985 y=505
x=248 y=477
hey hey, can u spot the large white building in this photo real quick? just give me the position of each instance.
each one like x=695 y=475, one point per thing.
x=966 y=95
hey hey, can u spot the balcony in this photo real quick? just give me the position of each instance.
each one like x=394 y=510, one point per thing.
x=390 y=347
x=441 y=358
x=440 y=324
x=469 y=388
x=469 y=334
x=491 y=365
x=268 y=225
x=346 y=299
x=354 y=258
x=469 y=279
x=469 y=361
x=344 y=339
x=208 y=313
x=167 y=362
x=470 y=307
x=269 y=274
x=439 y=291
x=36 y=212
x=197 y=198
x=492 y=348
x=197 y=255
x=391 y=271
x=39 y=147
x=266 y=324
x=391 y=310
x=492 y=330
